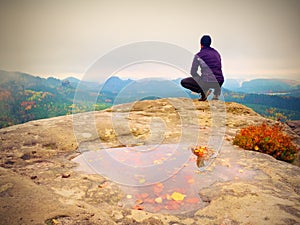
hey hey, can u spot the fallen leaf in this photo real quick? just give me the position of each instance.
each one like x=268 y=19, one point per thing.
x=191 y=181
x=145 y=195
x=103 y=185
x=149 y=200
x=192 y=200
x=139 y=201
x=187 y=177
x=138 y=207
x=129 y=196
x=159 y=185
x=177 y=196
x=158 y=188
x=157 y=208
x=156 y=162
x=159 y=161
x=142 y=196
x=199 y=151
x=168 y=197
x=142 y=180
x=172 y=205
x=158 y=200
x=54 y=221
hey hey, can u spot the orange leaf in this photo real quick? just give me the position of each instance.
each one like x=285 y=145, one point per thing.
x=168 y=197
x=191 y=181
x=172 y=205
x=149 y=200
x=158 y=188
x=138 y=207
x=161 y=185
x=157 y=208
x=187 y=177
x=144 y=195
x=192 y=200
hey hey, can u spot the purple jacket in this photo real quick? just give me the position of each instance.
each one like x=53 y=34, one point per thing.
x=209 y=61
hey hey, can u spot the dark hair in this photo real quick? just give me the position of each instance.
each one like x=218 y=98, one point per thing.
x=205 y=41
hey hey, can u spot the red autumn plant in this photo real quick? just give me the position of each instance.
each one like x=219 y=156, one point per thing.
x=269 y=139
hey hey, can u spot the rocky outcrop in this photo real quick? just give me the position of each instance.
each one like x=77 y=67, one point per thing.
x=295 y=125
x=41 y=183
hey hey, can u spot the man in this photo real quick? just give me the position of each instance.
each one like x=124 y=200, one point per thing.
x=209 y=60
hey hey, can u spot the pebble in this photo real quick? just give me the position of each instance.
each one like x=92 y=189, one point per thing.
x=66 y=175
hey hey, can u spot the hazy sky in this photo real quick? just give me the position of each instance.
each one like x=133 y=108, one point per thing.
x=256 y=38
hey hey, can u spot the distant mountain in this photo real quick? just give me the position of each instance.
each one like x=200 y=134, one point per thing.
x=265 y=86
x=295 y=92
x=115 y=84
x=150 y=89
x=120 y=91
x=232 y=84
x=72 y=80
x=86 y=86
x=276 y=106
x=177 y=81
x=24 y=81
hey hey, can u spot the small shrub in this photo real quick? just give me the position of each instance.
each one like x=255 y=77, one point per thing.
x=269 y=139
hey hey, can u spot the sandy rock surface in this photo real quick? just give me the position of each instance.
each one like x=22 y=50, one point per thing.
x=40 y=184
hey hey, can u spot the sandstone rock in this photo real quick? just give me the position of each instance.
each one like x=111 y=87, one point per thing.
x=239 y=187
x=295 y=125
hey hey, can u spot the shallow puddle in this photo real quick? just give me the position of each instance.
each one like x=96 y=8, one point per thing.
x=162 y=177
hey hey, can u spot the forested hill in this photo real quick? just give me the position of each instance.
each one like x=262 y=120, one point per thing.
x=24 y=97
x=283 y=107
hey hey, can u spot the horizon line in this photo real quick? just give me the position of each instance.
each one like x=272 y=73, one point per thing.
x=78 y=76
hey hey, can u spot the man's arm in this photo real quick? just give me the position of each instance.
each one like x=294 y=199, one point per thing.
x=194 y=67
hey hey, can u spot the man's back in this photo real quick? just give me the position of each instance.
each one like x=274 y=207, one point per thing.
x=212 y=60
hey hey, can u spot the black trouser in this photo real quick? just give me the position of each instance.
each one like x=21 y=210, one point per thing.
x=201 y=86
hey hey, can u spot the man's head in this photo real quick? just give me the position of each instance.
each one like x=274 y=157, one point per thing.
x=205 y=41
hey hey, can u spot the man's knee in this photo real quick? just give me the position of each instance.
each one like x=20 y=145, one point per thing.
x=183 y=82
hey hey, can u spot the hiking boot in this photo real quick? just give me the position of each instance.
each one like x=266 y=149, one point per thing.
x=204 y=98
x=208 y=93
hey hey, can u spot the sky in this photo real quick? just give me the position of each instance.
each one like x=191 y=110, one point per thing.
x=61 y=38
